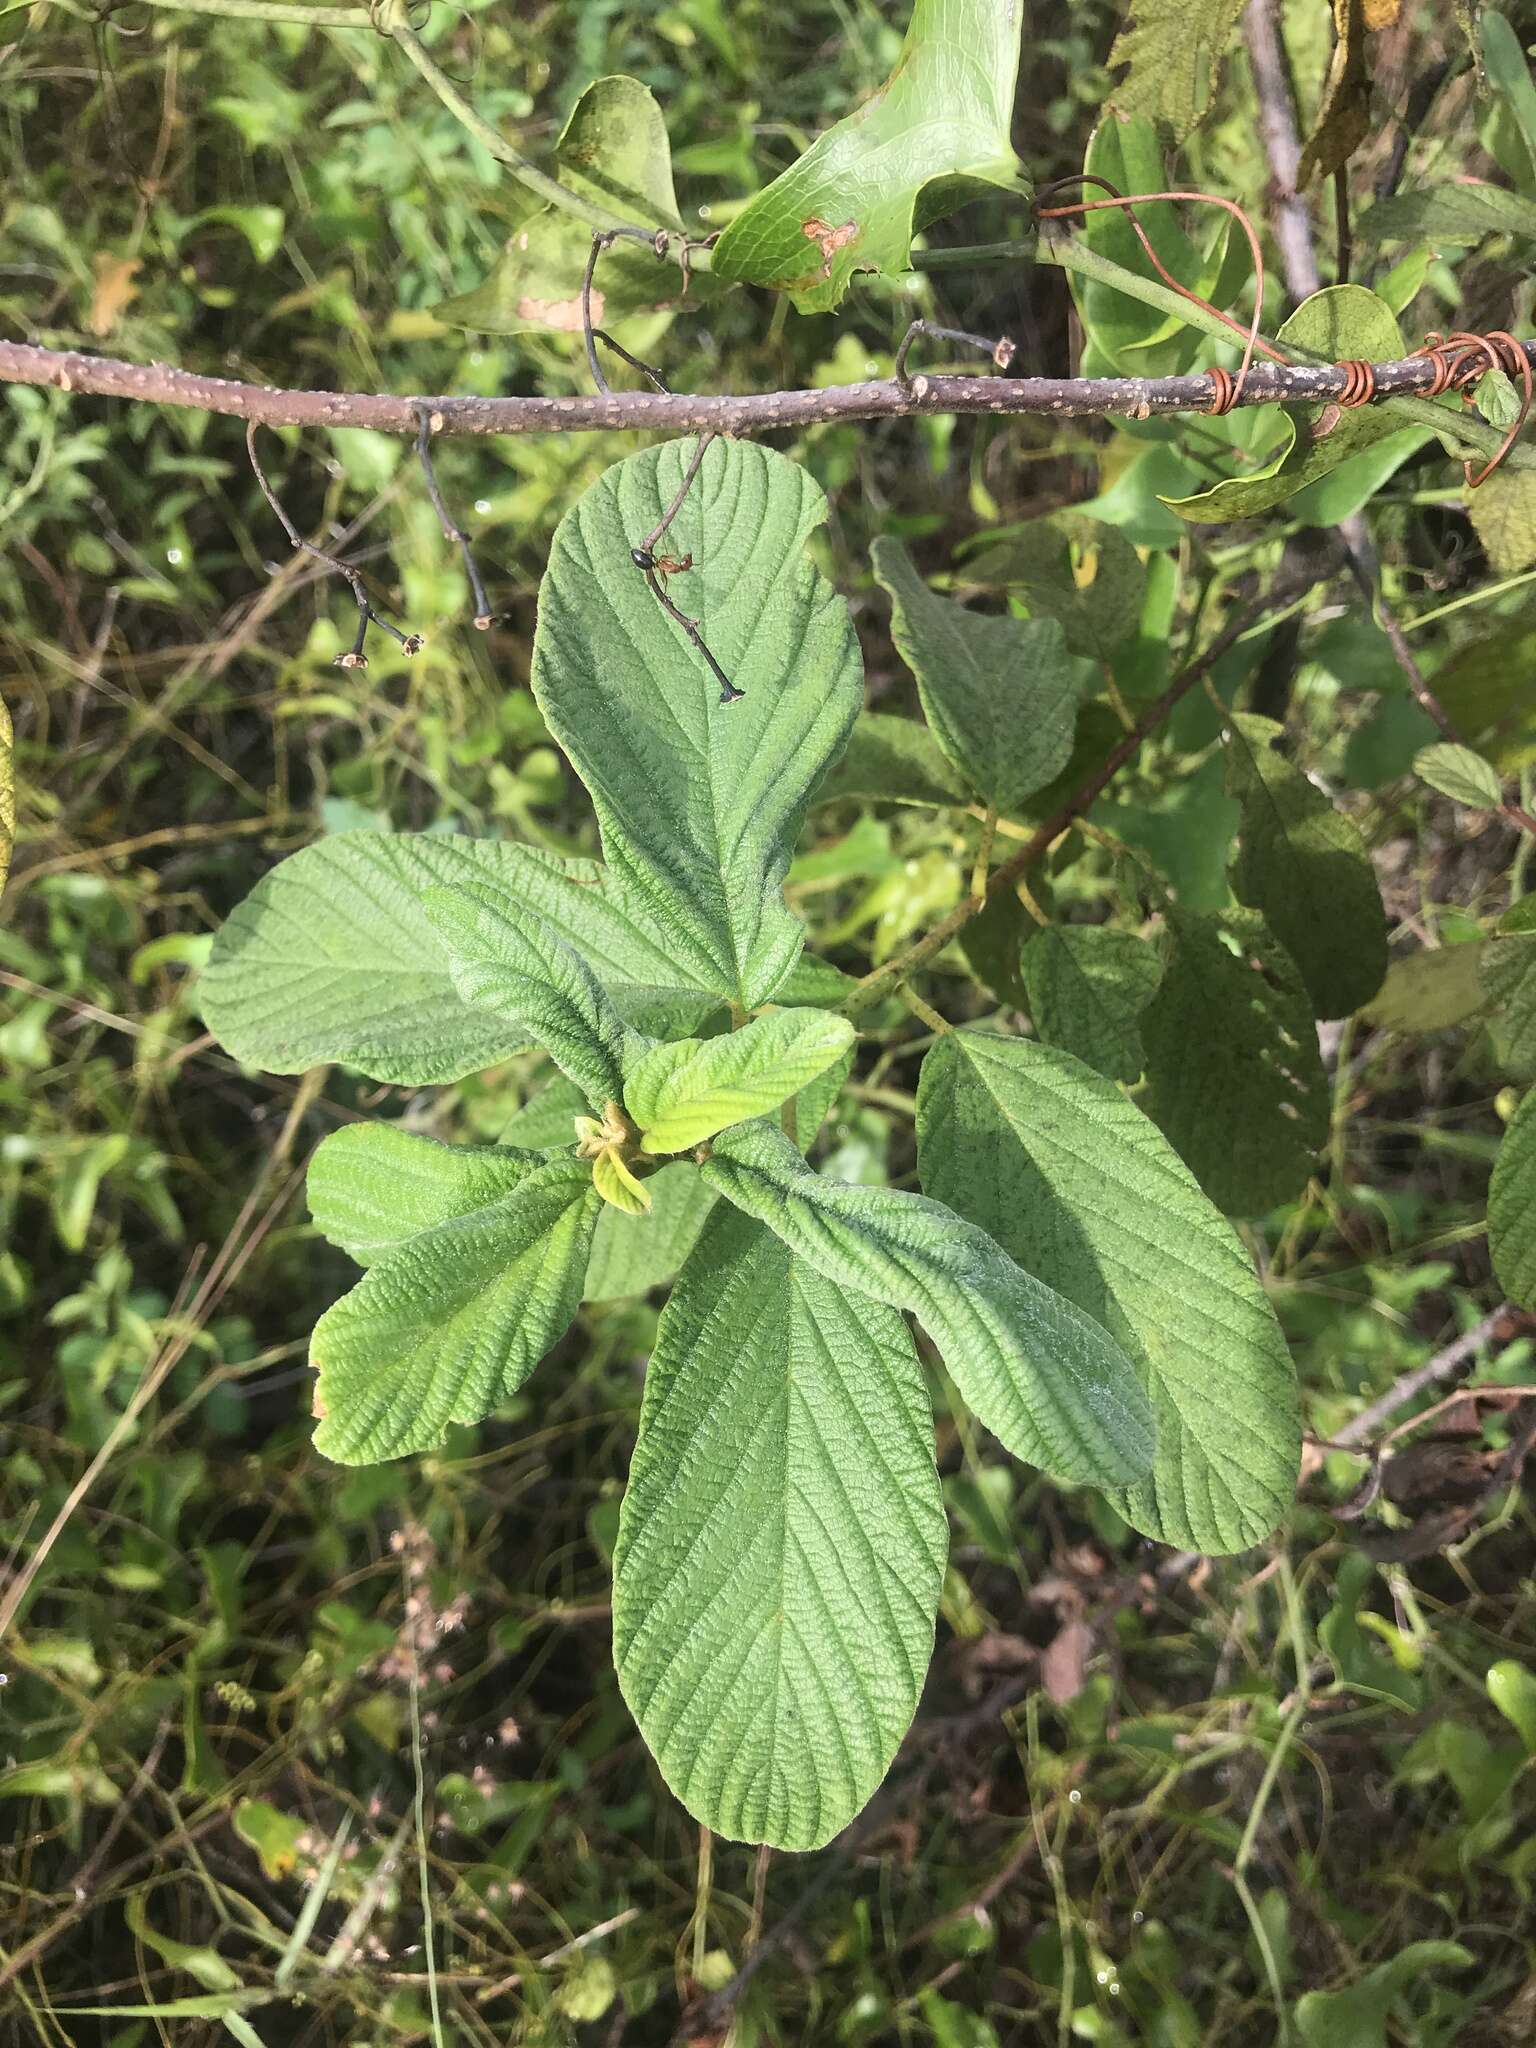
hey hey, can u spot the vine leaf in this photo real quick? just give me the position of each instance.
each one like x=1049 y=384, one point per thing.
x=1000 y=694
x=1343 y=322
x=373 y=1187
x=449 y=1325
x=1234 y=1077
x=895 y=761
x=1086 y=1194
x=700 y=804
x=1087 y=987
x=1048 y=1382
x=773 y=1618
x=613 y=150
x=1035 y=560
x=1174 y=49
x=506 y=960
x=332 y=956
x=915 y=150
x=1512 y=1207
x=1303 y=864
x=680 y=1094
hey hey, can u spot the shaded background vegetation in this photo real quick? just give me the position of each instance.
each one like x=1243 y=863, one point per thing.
x=209 y=1772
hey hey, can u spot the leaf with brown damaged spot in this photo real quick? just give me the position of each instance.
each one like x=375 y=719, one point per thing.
x=919 y=147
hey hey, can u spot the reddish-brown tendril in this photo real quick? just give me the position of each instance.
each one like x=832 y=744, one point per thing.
x=1225 y=390
x=1359 y=384
x=1460 y=360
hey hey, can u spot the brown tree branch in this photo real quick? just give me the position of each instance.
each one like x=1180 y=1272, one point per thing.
x=684 y=412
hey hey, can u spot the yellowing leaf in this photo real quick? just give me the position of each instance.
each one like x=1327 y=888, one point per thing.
x=617 y=1185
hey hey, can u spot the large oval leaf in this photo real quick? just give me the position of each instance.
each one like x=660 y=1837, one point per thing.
x=1086 y=1193
x=781 y=1543
x=1046 y=1379
x=700 y=803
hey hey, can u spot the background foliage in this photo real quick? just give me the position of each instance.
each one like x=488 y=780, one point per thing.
x=1145 y=1801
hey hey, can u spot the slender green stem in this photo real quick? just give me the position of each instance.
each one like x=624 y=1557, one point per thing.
x=1457 y=604
x=277 y=12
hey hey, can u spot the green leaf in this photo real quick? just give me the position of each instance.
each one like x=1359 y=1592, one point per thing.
x=506 y=960
x=1430 y=990
x=203 y=1963
x=993 y=944
x=1512 y=1689
x=1042 y=1376
x=1000 y=694
x=1035 y=560
x=781 y=1543
x=1507 y=966
x=450 y=1324
x=680 y=1094
x=1342 y=322
x=1087 y=987
x=700 y=803
x=1450 y=213
x=1512 y=1207
x=613 y=150
x=7 y=793
x=1128 y=153
x=853 y=200
x=1079 y=1187
x=1357 y=2016
x=1459 y=773
x=1234 y=1077
x=373 y=1187
x=1304 y=866
x=332 y=956
x=1485 y=690
x=1503 y=515
x=894 y=761
x=547 y=1123
x=1174 y=49
x=633 y=1254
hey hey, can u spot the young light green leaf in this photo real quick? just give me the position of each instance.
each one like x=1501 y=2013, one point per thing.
x=700 y=803
x=1087 y=987
x=547 y=1123
x=1459 y=773
x=896 y=761
x=1343 y=322
x=452 y=1322
x=373 y=1187
x=1507 y=966
x=1044 y=1378
x=1174 y=49
x=619 y=1188
x=506 y=960
x=1304 y=866
x=680 y=1094
x=633 y=1254
x=1512 y=1689
x=1000 y=694
x=613 y=150
x=1512 y=1207
x=1430 y=990
x=852 y=201
x=1083 y=1190
x=333 y=957
x=773 y=1616
x=1234 y=1077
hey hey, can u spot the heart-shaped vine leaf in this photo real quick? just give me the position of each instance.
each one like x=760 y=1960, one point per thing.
x=1000 y=694
x=332 y=956
x=1085 y=1192
x=700 y=803
x=1341 y=323
x=373 y=1187
x=1045 y=1378
x=614 y=151
x=1304 y=865
x=920 y=146
x=1087 y=987
x=773 y=1617
x=680 y=1094
x=504 y=959
x=1234 y=1077
x=451 y=1323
